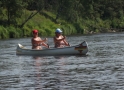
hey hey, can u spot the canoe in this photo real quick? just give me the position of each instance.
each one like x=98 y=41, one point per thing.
x=80 y=49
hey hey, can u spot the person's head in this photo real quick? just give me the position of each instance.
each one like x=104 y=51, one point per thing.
x=58 y=31
x=35 y=32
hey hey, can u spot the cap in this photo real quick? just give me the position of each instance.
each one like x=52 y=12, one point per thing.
x=35 y=31
x=58 y=30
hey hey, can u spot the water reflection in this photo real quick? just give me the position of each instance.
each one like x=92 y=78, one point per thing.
x=50 y=74
x=37 y=64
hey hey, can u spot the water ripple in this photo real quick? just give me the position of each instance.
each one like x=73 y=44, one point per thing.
x=101 y=69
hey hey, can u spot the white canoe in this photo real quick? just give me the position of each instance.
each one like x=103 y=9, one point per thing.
x=80 y=49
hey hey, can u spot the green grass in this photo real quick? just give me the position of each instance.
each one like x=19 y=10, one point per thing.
x=46 y=24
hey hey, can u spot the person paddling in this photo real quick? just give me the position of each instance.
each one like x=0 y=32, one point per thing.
x=59 y=39
x=37 y=41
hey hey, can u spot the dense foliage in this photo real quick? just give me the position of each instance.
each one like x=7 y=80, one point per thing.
x=73 y=16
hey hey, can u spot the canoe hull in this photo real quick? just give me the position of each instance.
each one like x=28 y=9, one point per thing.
x=73 y=50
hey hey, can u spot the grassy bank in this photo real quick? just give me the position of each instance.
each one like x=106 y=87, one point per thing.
x=44 y=22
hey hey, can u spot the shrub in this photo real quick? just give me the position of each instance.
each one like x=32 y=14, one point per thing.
x=4 y=34
x=14 y=32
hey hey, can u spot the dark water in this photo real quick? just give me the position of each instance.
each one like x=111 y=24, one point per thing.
x=101 y=69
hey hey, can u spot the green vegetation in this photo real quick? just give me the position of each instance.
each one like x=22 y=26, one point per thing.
x=19 y=17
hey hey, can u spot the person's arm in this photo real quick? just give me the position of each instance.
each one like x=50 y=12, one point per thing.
x=57 y=40
x=46 y=45
x=41 y=41
x=66 y=43
x=63 y=39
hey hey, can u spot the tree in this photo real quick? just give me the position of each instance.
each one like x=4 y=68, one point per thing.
x=13 y=9
x=69 y=10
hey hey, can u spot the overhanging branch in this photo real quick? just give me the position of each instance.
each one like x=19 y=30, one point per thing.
x=30 y=16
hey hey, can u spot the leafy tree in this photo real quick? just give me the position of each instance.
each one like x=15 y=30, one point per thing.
x=13 y=9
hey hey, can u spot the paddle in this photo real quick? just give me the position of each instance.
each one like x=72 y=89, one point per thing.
x=47 y=43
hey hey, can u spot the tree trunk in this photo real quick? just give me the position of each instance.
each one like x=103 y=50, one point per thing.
x=59 y=11
x=8 y=15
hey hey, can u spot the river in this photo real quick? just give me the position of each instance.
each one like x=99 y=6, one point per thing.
x=101 y=69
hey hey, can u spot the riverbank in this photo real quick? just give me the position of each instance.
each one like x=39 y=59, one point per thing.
x=46 y=24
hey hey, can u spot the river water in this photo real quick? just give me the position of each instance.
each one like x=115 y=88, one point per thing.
x=101 y=69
